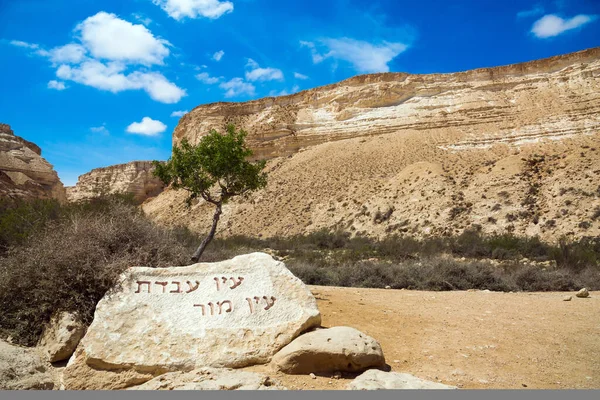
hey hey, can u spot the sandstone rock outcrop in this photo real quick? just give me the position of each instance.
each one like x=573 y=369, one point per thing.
x=23 y=172
x=340 y=348
x=131 y=178
x=374 y=379
x=507 y=149
x=23 y=368
x=60 y=339
x=228 y=314
x=211 y=379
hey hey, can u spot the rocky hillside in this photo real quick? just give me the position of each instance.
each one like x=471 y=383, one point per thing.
x=23 y=171
x=132 y=178
x=513 y=148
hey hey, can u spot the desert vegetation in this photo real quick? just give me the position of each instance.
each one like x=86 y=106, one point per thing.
x=65 y=258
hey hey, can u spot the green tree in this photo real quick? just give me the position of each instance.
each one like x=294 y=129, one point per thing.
x=215 y=169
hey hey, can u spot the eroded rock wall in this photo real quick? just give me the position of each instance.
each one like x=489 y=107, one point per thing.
x=506 y=149
x=131 y=178
x=23 y=171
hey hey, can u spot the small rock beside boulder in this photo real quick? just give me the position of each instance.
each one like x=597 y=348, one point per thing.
x=327 y=350
x=374 y=379
x=211 y=379
x=23 y=369
x=567 y=298
x=583 y=293
x=61 y=337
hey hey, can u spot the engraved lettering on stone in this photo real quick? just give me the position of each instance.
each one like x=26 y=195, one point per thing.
x=212 y=308
x=163 y=284
x=203 y=308
x=249 y=300
x=236 y=284
x=271 y=303
x=218 y=283
x=192 y=288
x=221 y=303
x=178 y=290
x=140 y=283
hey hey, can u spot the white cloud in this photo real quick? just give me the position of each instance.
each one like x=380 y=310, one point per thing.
x=218 y=55
x=109 y=37
x=552 y=25
x=364 y=56
x=295 y=89
x=180 y=9
x=56 y=85
x=204 y=77
x=148 y=127
x=237 y=87
x=26 y=45
x=179 y=113
x=537 y=10
x=298 y=75
x=70 y=53
x=142 y=18
x=256 y=73
x=107 y=57
x=111 y=77
x=100 y=129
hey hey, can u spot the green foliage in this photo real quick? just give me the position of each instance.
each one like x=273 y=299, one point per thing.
x=20 y=218
x=216 y=161
x=70 y=262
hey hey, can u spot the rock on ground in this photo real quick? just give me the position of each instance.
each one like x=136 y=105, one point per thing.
x=23 y=368
x=230 y=314
x=583 y=293
x=61 y=337
x=374 y=379
x=339 y=348
x=211 y=379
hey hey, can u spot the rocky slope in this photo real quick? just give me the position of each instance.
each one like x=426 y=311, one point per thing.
x=132 y=178
x=23 y=171
x=513 y=148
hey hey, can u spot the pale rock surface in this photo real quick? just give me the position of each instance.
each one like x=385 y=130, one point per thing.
x=583 y=293
x=567 y=298
x=340 y=348
x=232 y=313
x=134 y=178
x=60 y=339
x=211 y=379
x=418 y=155
x=23 y=171
x=23 y=368
x=374 y=379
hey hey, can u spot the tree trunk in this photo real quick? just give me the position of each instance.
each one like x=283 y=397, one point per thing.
x=210 y=236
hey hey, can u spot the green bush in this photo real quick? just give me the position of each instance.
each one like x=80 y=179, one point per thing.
x=71 y=262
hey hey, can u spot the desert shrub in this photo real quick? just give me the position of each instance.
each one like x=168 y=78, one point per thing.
x=535 y=279
x=20 y=218
x=71 y=263
x=578 y=255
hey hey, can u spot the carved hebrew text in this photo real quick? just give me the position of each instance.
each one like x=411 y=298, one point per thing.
x=163 y=284
x=178 y=290
x=225 y=279
x=270 y=301
x=140 y=283
x=192 y=288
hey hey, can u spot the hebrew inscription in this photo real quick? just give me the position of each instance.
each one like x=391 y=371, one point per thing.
x=210 y=308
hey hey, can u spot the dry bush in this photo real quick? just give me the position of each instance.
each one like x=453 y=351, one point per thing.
x=71 y=263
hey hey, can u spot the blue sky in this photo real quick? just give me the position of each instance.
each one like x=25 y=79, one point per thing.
x=96 y=83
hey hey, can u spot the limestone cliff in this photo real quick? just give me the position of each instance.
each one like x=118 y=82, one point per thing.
x=23 y=171
x=131 y=178
x=513 y=148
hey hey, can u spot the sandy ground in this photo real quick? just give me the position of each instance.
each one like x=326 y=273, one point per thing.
x=472 y=339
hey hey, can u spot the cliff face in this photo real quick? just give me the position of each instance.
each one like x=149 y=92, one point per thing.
x=132 y=178
x=23 y=172
x=513 y=148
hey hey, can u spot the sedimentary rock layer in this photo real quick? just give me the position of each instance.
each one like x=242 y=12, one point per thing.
x=513 y=148
x=132 y=178
x=23 y=171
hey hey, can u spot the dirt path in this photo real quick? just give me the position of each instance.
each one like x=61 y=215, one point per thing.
x=470 y=339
